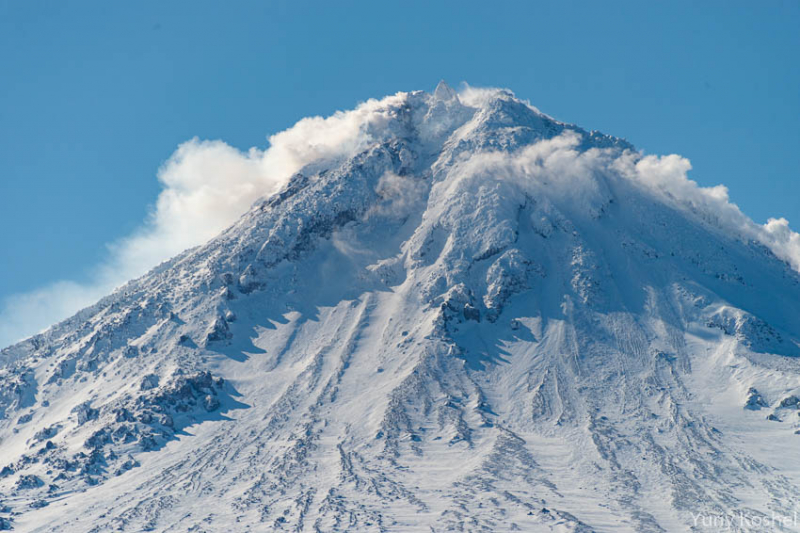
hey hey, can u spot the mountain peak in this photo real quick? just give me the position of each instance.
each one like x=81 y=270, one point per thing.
x=454 y=312
x=444 y=92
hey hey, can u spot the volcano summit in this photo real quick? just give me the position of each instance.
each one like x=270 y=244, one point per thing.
x=457 y=314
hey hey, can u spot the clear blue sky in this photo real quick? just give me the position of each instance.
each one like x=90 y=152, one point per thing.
x=94 y=96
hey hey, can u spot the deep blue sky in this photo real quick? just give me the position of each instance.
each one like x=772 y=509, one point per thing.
x=94 y=96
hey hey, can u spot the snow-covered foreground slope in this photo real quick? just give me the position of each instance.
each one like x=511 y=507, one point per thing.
x=474 y=318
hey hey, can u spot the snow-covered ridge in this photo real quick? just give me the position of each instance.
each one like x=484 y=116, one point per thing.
x=454 y=312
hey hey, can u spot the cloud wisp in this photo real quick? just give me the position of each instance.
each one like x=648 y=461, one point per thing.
x=206 y=187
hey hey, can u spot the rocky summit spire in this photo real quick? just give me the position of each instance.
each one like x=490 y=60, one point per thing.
x=444 y=92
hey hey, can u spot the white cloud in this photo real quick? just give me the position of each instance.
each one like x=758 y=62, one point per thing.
x=207 y=185
x=782 y=240
x=27 y=313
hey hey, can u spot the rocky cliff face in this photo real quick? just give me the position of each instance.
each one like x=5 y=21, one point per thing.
x=484 y=320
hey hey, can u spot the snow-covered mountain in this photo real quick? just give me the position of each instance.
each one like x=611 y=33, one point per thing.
x=471 y=317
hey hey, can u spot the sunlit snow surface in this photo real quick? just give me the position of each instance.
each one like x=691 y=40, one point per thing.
x=482 y=320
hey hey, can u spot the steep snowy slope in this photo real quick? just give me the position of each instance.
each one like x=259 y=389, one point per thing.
x=474 y=318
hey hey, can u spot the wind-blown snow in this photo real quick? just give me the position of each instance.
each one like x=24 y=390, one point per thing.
x=455 y=314
x=207 y=185
x=667 y=175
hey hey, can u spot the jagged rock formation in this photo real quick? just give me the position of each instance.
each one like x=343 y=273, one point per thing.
x=483 y=320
